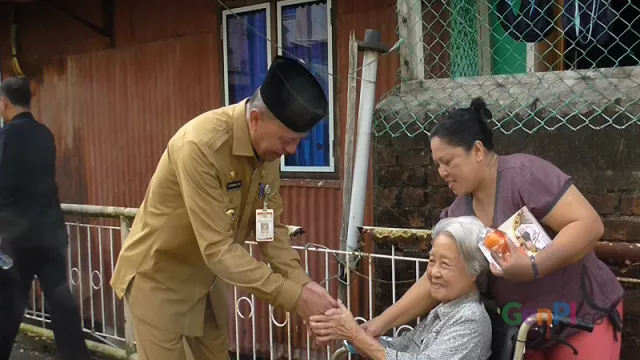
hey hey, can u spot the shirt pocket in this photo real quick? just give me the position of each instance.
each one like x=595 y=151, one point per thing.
x=232 y=204
x=234 y=198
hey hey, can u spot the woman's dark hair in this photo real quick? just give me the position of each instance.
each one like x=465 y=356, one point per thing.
x=463 y=127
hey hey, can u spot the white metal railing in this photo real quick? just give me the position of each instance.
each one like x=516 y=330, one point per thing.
x=96 y=233
x=92 y=254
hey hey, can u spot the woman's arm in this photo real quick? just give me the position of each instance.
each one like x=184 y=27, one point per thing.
x=578 y=227
x=416 y=302
x=556 y=202
x=366 y=345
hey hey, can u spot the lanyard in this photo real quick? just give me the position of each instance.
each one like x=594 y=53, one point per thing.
x=265 y=190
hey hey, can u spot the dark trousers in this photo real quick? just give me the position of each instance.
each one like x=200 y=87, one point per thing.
x=49 y=264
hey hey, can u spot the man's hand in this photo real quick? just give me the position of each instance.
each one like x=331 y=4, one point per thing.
x=314 y=300
x=335 y=324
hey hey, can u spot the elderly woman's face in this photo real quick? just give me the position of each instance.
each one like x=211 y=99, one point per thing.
x=447 y=271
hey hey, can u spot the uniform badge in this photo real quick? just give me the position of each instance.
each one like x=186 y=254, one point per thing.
x=234 y=185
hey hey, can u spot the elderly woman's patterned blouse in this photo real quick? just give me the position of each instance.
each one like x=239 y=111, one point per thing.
x=457 y=330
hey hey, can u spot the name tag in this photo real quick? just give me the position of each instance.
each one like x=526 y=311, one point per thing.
x=264 y=225
x=234 y=185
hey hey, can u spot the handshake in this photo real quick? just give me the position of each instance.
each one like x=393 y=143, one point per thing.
x=314 y=300
x=328 y=318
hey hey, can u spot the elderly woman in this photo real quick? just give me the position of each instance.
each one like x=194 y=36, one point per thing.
x=458 y=328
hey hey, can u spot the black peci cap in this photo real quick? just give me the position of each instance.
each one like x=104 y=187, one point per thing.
x=293 y=95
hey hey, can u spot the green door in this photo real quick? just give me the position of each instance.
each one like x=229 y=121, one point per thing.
x=507 y=55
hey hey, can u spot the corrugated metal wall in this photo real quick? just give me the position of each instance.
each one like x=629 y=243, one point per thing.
x=319 y=209
x=113 y=110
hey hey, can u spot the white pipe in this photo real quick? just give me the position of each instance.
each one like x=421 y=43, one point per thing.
x=363 y=138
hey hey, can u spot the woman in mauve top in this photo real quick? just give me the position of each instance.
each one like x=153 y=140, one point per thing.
x=493 y=187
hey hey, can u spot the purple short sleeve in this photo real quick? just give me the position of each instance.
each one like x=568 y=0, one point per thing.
x=444 y=213
x=541 y=185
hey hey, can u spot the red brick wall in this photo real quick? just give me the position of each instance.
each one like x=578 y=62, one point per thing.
x=604 y=164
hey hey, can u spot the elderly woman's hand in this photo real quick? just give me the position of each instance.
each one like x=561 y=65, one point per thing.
x=335 y=324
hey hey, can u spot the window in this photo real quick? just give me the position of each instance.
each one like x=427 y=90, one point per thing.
x=303 y=30
x=248 y=54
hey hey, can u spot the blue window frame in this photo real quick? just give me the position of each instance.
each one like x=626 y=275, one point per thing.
x=303 y=30
x=247 y=53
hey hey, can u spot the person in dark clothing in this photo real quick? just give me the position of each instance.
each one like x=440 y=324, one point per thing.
x=32 y=228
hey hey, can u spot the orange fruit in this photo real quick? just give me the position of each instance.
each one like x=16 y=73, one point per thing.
x=497 y=240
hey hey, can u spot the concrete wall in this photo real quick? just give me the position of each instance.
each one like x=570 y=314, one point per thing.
x=605 y=165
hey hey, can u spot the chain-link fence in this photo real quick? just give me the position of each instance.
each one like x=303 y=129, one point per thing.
x=539 y=64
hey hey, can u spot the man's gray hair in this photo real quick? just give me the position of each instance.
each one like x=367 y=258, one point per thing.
x=256 y=102
x=467 y=232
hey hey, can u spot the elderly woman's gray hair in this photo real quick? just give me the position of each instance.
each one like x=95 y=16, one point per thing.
x=467 y=232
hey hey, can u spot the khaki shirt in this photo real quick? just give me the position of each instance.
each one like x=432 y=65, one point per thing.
x=184 y=236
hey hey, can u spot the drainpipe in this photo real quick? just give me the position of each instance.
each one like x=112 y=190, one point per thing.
x=372 y=48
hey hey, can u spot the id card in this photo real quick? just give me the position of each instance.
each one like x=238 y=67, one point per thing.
x=264 y=225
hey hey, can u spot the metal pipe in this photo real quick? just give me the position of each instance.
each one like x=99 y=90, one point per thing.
x=372 y=47
x=618 y=251
x=604 y=250
x=99 y=211
x=118 y=212
x=340 y=353
x=521 y=340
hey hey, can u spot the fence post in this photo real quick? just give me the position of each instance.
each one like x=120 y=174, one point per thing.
x=410 y=28
x=349 y=140
x=129 y=335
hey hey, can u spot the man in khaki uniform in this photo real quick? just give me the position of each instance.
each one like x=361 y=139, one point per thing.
x=219 y=172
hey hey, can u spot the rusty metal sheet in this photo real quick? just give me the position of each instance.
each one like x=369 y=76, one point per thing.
x=113 y=111
x=318 y=209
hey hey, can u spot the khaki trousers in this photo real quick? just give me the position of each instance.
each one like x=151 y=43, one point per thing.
x=156 y=344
